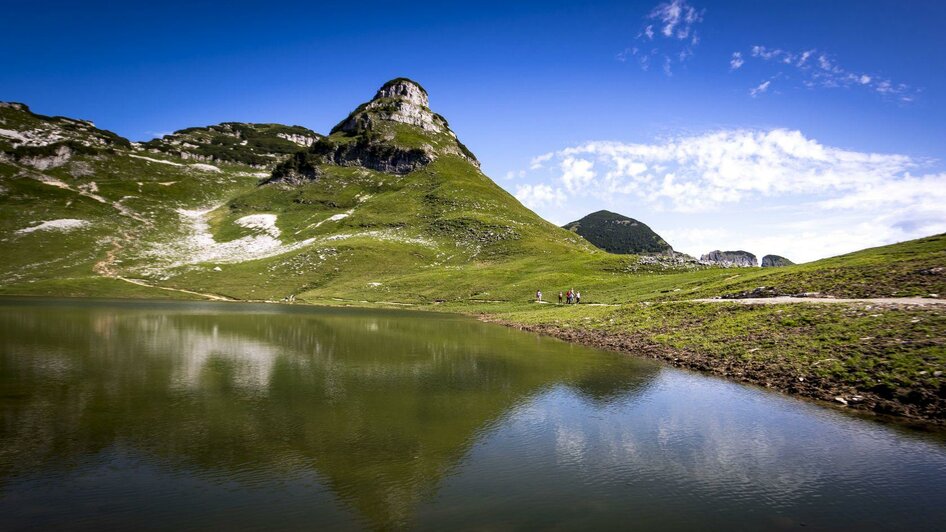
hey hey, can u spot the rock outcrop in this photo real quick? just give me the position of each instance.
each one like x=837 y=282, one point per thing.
x=616 y=233
x=775 y=261
x=45 y=142
x=259 y=145
x=395 y=133
x=399 y=100
x=730 y=259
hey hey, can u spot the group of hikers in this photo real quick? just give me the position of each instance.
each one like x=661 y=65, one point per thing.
x=570 y=297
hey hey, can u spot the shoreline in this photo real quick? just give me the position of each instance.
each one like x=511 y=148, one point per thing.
x=825 y=392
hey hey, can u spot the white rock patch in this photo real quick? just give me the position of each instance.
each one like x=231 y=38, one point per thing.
x=205 y=167
x=264 y=223
x=65 y=224
x=196 y=166
x=15 y=135
x=200 y=245
x=335 y=217
x=384 y=235
x=153 y=160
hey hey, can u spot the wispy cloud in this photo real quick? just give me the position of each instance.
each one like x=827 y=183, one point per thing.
x=677 y=19
x=845 y=196
x=817 y=69
x=667 y=37
x=540 y=160
x=761 y=88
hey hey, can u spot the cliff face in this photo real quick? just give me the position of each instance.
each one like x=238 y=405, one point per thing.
x=616 y=233
x=775 y=261
x=395 y=133
x=730 y=258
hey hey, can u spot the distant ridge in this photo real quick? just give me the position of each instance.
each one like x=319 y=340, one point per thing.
x=259 y=145
x=616 y=233
x=730 y=258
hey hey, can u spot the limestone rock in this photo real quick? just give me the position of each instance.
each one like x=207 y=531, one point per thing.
x=730 y=259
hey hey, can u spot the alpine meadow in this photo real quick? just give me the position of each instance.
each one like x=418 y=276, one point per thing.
x=362 y=317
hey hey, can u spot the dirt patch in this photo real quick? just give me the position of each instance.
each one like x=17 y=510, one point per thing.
x=915 y=404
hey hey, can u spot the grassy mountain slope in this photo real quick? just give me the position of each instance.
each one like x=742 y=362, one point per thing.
x=616 y=233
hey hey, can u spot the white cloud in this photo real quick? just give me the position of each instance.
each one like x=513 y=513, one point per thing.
x=764 y=86
x=535 y=196
x=767 y=191
x=510 y=175
x=726 y=166
x=821 y=72
x=539 y=161
x=576 y=173
x=921 y=193
x=673 y=41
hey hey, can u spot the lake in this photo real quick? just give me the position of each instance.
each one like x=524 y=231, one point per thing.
x=174 y=415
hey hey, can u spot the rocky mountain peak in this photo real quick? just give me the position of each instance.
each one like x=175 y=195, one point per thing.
x=406 y=89
x=399 y=100
x=395 y=132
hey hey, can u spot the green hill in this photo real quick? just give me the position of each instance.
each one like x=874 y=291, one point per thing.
x=616 y=233
x=390 y=206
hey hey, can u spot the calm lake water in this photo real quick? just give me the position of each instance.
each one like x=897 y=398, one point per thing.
x=166 y=415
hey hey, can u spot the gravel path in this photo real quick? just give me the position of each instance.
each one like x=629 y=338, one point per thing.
x=919 y=301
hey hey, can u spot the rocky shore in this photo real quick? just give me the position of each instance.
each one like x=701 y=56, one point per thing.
x=916 y=404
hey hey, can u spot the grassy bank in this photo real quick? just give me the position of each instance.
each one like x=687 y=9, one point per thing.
x=889 y=359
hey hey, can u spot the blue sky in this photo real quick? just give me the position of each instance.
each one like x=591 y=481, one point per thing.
x=823 y=135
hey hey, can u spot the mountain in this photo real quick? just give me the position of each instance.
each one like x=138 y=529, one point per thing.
x=260 y=145
x=775 y=261
x=730 y=258
x=616 y=233
x=390 y=206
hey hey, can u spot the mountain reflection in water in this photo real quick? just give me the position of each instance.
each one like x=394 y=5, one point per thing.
x=380 y=405
x=248 y=416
